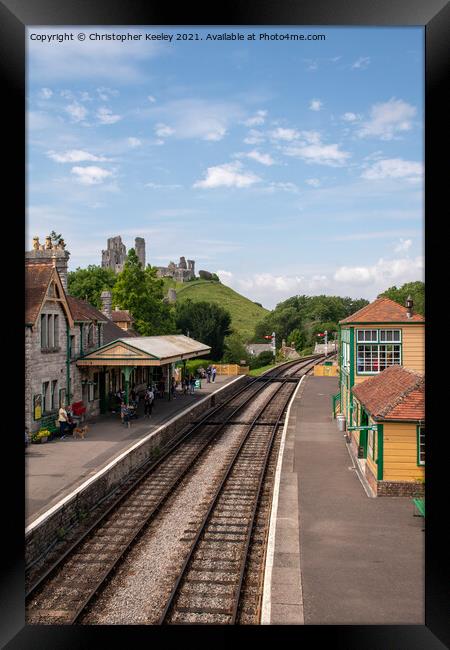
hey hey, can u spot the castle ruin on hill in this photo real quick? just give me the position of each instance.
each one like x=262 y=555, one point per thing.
x=115 y=254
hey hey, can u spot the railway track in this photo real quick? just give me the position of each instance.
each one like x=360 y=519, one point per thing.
x=61 y=595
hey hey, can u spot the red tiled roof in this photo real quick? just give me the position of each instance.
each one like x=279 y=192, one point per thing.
x=119 y=316
x=382 y=310
x=37 y=278
x=397 y=393
x=83 y=311
x=111 y=332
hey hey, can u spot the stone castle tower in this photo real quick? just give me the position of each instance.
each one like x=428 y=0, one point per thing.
x=114 y=255
x=139 y=247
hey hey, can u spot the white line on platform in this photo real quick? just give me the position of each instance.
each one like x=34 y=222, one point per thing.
x=266 y=600
x=116 y=460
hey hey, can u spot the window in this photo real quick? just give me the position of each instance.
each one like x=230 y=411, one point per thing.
x=367 y=336
x=54 y=394
x=50 y=331
x=345 y=356
x=96 y=386
x=381 y=349
x=389 y=355
x=56 y=331
x=45 y=396
x=371 y=444
x=73 y=351
x=421 y=445
x=91 y=392
x=44 y=332
x=390 y=336
x=90 y=335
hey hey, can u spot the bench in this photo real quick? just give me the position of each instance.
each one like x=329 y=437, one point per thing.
x=420 y=505
x=49 y=422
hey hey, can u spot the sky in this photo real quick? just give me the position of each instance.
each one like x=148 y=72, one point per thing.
x=285 y=166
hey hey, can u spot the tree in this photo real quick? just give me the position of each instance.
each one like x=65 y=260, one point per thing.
x=89 y=283
x=415 y=289
x=141 y=292
x=297 y=339
x=206 y=322
x=235 y=350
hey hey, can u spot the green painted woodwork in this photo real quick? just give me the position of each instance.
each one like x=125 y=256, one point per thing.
x=380 y=450
x=127 y=371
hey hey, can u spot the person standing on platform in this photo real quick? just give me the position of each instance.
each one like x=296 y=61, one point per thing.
x=63 y=420
x=213 y=374
x=192 y=384
x=148 y=402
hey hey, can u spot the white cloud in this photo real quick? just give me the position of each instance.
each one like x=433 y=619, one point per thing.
x=45 y=93
x=76 y=112
x=361 y=63
x=351 y=117
x=162 y=130
x=383 y=273
x=74 y=155
x=106 y=93
x=315 y=152
x=254 y=137
x=159 y=186
x=284 y=134
x=151 y=99
x=403 y=246
x=91 y=175
x=227 y=175
x=134 y=142
x=314 y=182
x=315 y=105
x=394 y=168
x=257 y=119
x=387 y=119
x=106 y=116
x=263 y=158
x=198 y=118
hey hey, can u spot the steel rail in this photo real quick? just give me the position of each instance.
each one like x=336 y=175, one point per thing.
x=183 y=571
x=168 y=489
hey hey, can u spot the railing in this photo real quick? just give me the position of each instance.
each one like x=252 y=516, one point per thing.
x=336 y=404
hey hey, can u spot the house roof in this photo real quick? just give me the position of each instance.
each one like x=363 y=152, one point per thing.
x=397 y=393
x=84 y=311
x=119 y=315
x=37 y=278
x=111 y=332
x=382 y=310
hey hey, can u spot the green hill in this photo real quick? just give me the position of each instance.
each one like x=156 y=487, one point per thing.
x=244 y=313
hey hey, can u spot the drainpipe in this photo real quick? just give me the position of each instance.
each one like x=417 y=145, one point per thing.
x=68 y=355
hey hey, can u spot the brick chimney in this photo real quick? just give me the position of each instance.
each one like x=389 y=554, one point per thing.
x=409 y=307
x=106 y=298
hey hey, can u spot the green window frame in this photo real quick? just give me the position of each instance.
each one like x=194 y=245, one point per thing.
x=374 y=356
x=420 y=444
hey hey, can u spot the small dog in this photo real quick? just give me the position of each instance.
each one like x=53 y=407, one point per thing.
x=80 y=432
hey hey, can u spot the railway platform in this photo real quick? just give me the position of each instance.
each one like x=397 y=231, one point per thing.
x=336 y=555
x=55 y=469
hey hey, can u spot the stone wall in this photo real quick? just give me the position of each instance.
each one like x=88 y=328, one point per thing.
x=40 y=538
x=41 y=365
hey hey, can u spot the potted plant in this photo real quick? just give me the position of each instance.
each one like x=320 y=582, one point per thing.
x=40 y=436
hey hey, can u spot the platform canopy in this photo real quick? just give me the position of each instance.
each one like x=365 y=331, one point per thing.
x=145 y=351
